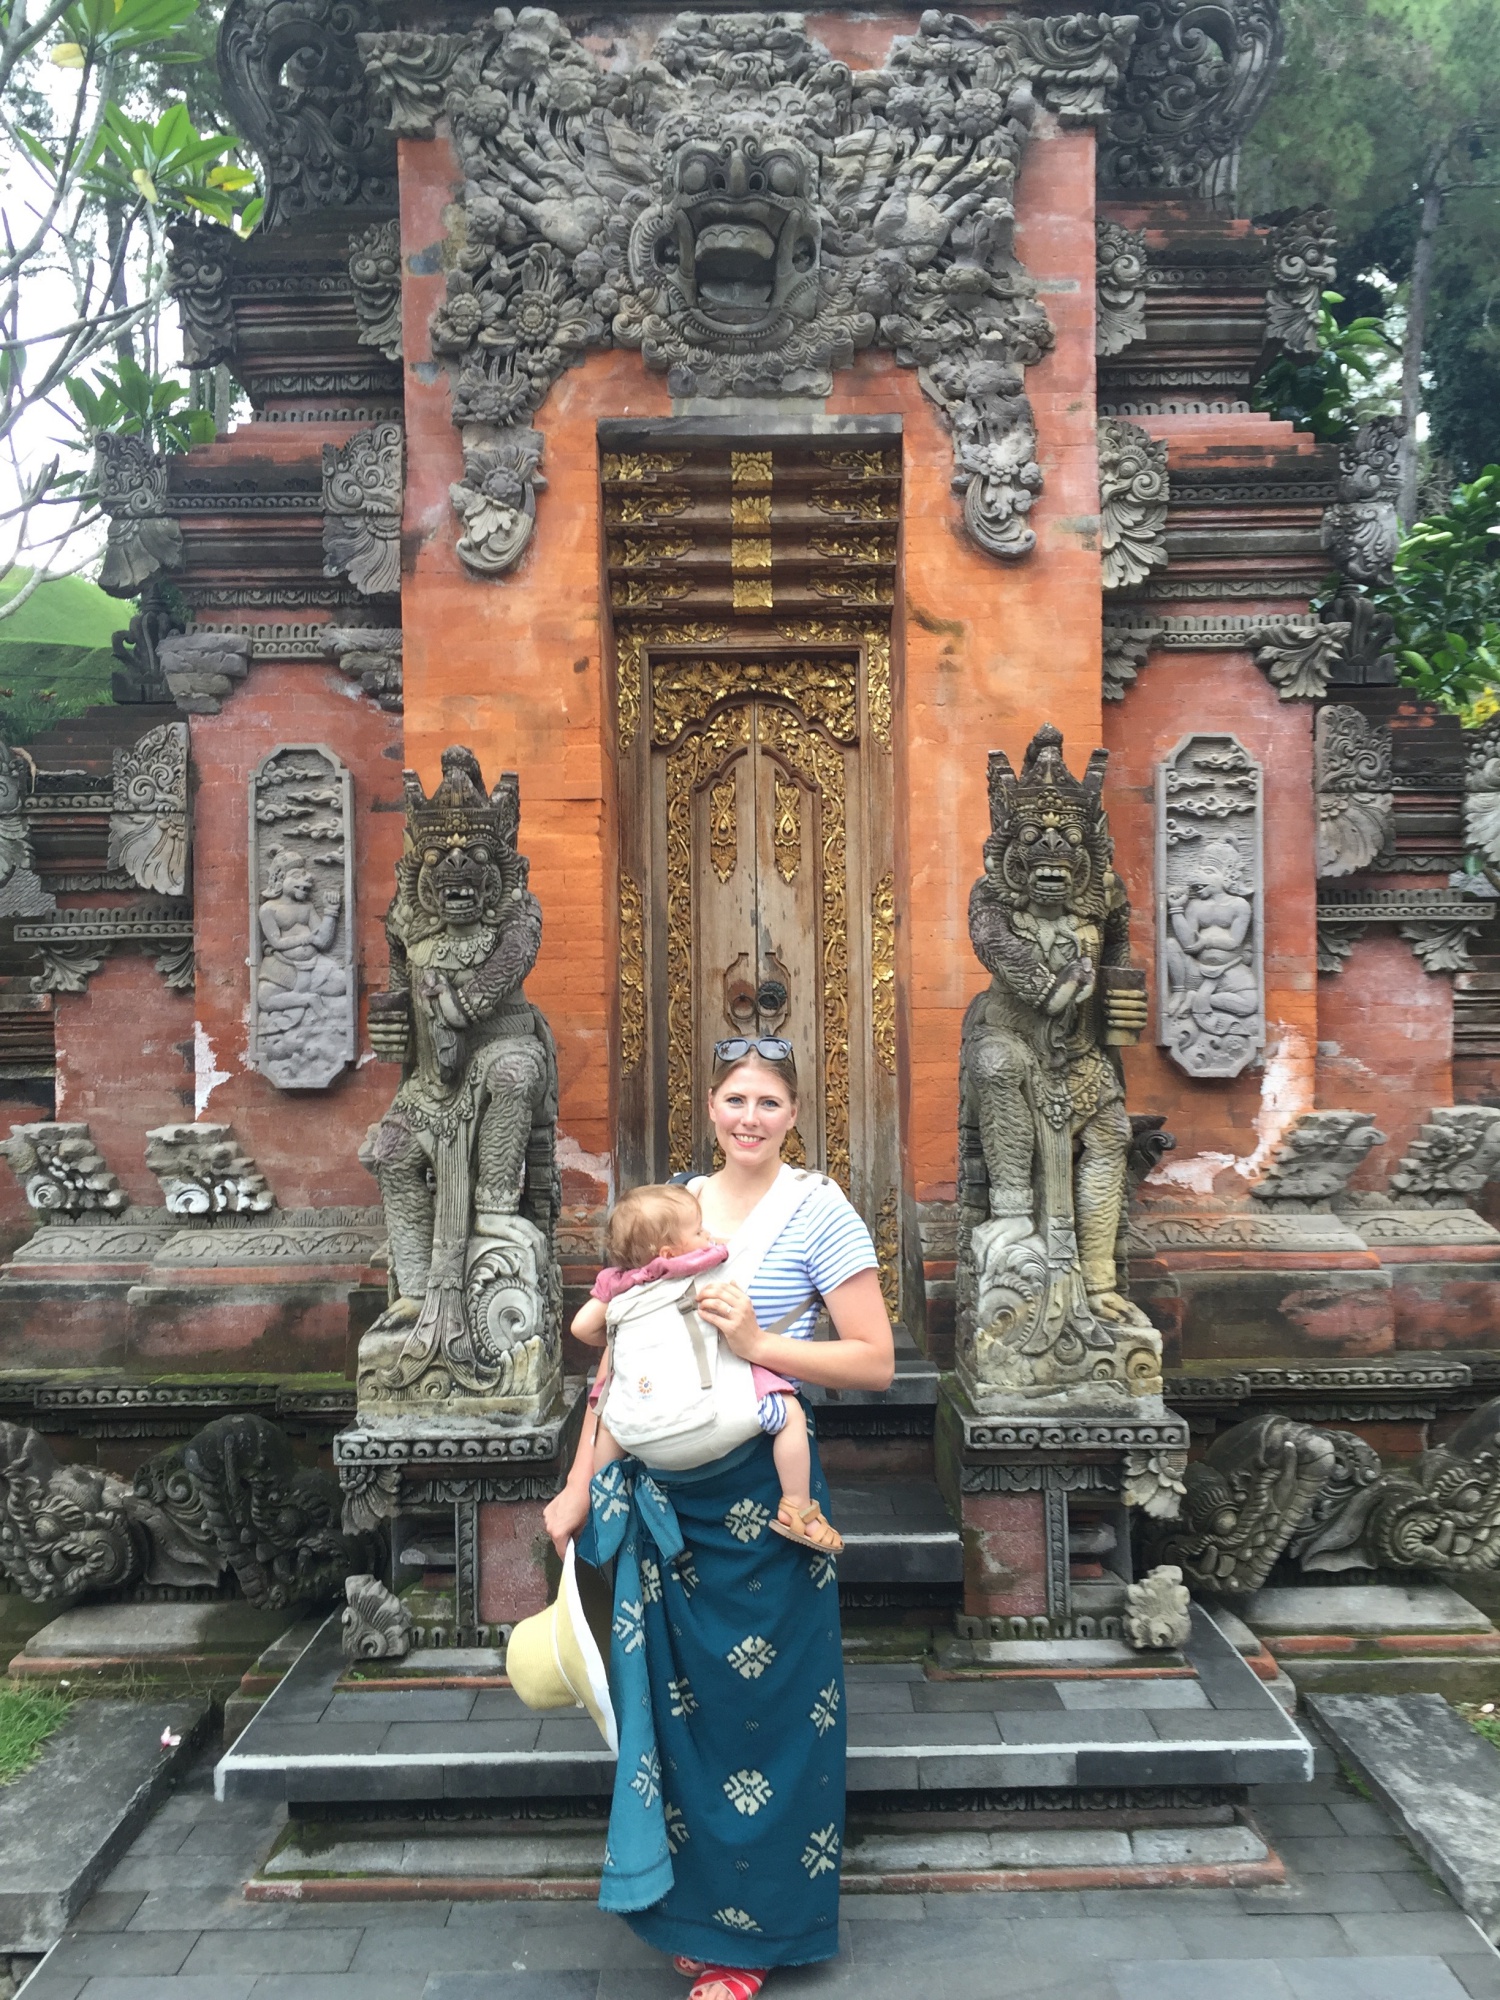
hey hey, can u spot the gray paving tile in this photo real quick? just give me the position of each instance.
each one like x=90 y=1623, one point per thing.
x=1370 y=1979
x=976 y=1906
x=337 y=1986
x=900 y=1730
x=893 y=1909
x=1218 y=1934
x=109 y=1910
x=1101 y=1726
x=402 y=1705
x=511 y=1986
x=260 y=1951
x=53 y=1986
x=1158 y=1902
x=885 y=1698
x=149 y=1987
x=1419 y=1891
x=1111 y=1938
x=174 y=1871
x=1361 y=1816
x=498 y=1705
x=1224 y=1978
x=216 y=1909
x=96 y=1952
x=1363 y=1854
x=1222 y=1725
x=1436 y=1931
x=454 y=1948
x=1328 y=1894
x=947 y=1697
x=1306 y=1821
x=1131 y=1694
x=1478 y=1973
x=452 y=1738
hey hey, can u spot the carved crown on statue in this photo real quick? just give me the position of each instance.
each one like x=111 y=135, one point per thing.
x=1043 y=1131
x=466 y=1155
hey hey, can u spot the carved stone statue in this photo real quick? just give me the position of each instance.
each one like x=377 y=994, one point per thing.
x=1044 y=1129
x=465 y=1156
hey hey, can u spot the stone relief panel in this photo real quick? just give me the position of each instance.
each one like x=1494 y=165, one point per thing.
x=302 y=976
x=375 y=274
x=362 y=510
x=1210 y=884
x=1360 y=529
x=142 y=539
x=1119 y=286
x=1352 y=779
x=61 y=1171
x=148 y=815
x=1134 y=490
x=203 y=1170
x=748 y=213
x=1302 y=269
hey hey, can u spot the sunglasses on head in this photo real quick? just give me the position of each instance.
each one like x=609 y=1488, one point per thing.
x=772 y=1047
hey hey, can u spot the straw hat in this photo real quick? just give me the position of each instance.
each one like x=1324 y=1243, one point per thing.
x=556 y=1659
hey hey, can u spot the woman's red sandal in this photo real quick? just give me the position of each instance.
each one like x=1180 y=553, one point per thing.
x=689 y=1968
x=736 y=1980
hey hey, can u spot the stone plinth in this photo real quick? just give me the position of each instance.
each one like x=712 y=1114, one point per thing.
x=1444 y=1270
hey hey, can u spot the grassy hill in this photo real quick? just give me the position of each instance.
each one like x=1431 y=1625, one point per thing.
x=55 y=656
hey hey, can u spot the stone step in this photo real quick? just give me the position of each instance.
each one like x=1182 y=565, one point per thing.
x=895 y=1530
x=1208 y=1722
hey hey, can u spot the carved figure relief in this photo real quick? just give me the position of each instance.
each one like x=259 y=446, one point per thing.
x=1119 y=286
x=362 y=510
x=375 y=274
x=1360 y=530
x=199 y=264
x=466 y=1155
x=1044 y=1134
x=1302 y=269
x=1245 y=1498
x=204 y=1171
x=302 y=984
x=1352 y=779
x=370 y=655
x=61 y=1171
x=749 y=215
x=21 y=891
x=1133 y=494
x=1209 y=838
x=148 y=818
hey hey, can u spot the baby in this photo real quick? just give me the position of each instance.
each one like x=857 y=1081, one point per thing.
x=656 y=1234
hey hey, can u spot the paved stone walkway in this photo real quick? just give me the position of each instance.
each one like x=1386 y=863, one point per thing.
x=1359 y=1919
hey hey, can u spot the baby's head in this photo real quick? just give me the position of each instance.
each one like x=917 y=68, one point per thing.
x=654 y=1222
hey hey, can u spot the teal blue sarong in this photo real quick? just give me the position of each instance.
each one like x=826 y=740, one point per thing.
x=726 y=1672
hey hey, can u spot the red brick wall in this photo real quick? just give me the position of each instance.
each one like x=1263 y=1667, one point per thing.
x=125 y=1064
x=1385 y=1043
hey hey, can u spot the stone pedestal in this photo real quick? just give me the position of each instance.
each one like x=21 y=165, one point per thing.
x=464 y=1497
x=1042 y=1496
x=1443 y=1266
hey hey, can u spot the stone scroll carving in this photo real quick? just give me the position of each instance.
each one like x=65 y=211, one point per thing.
x=1210 y=885
x=1352 y=779
x=1133 y=493
x=375 y=275
x=21 y=891
x=466 y=1155
x=142 y=539
x=200 y=262
x=362 y=510
x=1451 y=1159
x=202 y=668
x=61 y=1171
x=148 y=815
x=1119 y=286
x=1245 y=1498
x=1300 y=659
x=1302 y=269
x=1316 y=1159
x=302 y=983
x=1360 y=529
x=376 y=1624
x=749 y=213
x=370 y=655
x=1157 y=1617
x=1044 y=1135
x=203 y=1170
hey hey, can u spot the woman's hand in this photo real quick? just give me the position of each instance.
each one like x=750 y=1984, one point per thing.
x=565 y=1514
x=728 y=1310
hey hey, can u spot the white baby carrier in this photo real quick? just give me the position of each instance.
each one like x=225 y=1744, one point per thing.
x=677 y=1395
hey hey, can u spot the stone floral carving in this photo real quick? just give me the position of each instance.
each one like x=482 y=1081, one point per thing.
x=1302 y=269
x=496 y=501
x=204 y=1171
x=375 y=274
x=292 y=80
x=1119 y=286
x=375 y=1624
x=749 y=214
x=1153 y=1480
x=466 y=1155
x=302 y=1012
x=142 y=538
x=1440 y=947
x=61 y=1172
x=1245 y=1498
x=370 y=655
x=1316 y=1158
x=1133 y=493
x=64 y=1530
x=1332 y=1529
x=1125 y=653
x=1367 y=657
x=1453 y=1156
x=1041 y=1315
x=1482 y=792
x=1157 y=1618
x=202 y=668
x=148 y=817
x=21 y=891
x=1352 y=779
x=200 y=263
x=362 y=510
x=1194 y=87
x=1211 y=1007
x=1299 y=659
x=372 y=1494
x=1360 y=529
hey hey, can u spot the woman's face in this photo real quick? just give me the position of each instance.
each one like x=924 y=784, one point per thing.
x=752 y=1111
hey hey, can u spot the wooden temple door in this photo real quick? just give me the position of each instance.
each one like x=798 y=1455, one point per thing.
x=756 y=878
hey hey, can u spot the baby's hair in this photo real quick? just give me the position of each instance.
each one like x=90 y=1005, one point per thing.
x=646 y=1218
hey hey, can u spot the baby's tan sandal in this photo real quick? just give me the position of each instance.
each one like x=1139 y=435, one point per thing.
x=808 y=1527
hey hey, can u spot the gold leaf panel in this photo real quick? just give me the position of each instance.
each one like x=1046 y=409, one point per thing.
x=750 y=468
x=786 y=834
x=888 y=1251
x=874 y=635
x=638 y=468
x=749 y=552
x=723 y=829
x=851 y=505
x=750 y=510
x=632 y=974
x=631 y=644
x=647 y=551
x=851 y=589
x=683 y=690
x=630 y=510
x=752 y=593
x=884 y=464
x=646 y=594
x=854 y=548
x=883 y=971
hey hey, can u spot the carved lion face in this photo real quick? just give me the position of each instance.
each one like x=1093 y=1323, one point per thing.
x=1048 y=864
x=460 y=883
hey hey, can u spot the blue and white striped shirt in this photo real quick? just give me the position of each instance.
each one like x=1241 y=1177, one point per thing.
x=824 y=1244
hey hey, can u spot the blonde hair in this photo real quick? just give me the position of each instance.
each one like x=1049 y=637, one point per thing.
x=782 y=1067
x=646 y=1218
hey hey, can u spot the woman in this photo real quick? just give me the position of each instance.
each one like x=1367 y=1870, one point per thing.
x=727 y=1664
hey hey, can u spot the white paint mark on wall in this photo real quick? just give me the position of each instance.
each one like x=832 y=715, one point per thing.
x=598 y=1166
x=207 y=1076
x=1287 y=1092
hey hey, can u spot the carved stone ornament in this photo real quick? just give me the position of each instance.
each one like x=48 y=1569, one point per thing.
x=750 y=213
x=1367 y=657
x=1040 y=1091
x=375 y=1624
x=372 y=1494
x=1153 y=1480
x=21 y=892
x=1133 y=493
x=466 y=1155
x=200 y=263
x=1194 y=87
x=302 y=977
x=362 y=510
x=204 y=1171
x=1125 y=653
x=375 y=274
x=1453 y=1156
x=1302 y=269
x=1119 y=286
x=61 y=1171
x=1482 y=791
x=1245 y=1497
x=496 y=501
x=1360 y=529
x=1299 y=658
x=142 y=539
x=1315 y=1160
x=139 y=676
x=1156 y=1617
x=1352 y=780
x=1210 y=926
x=202 y=668
x=148 y=816
x=370 y=655
x=293 y=82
